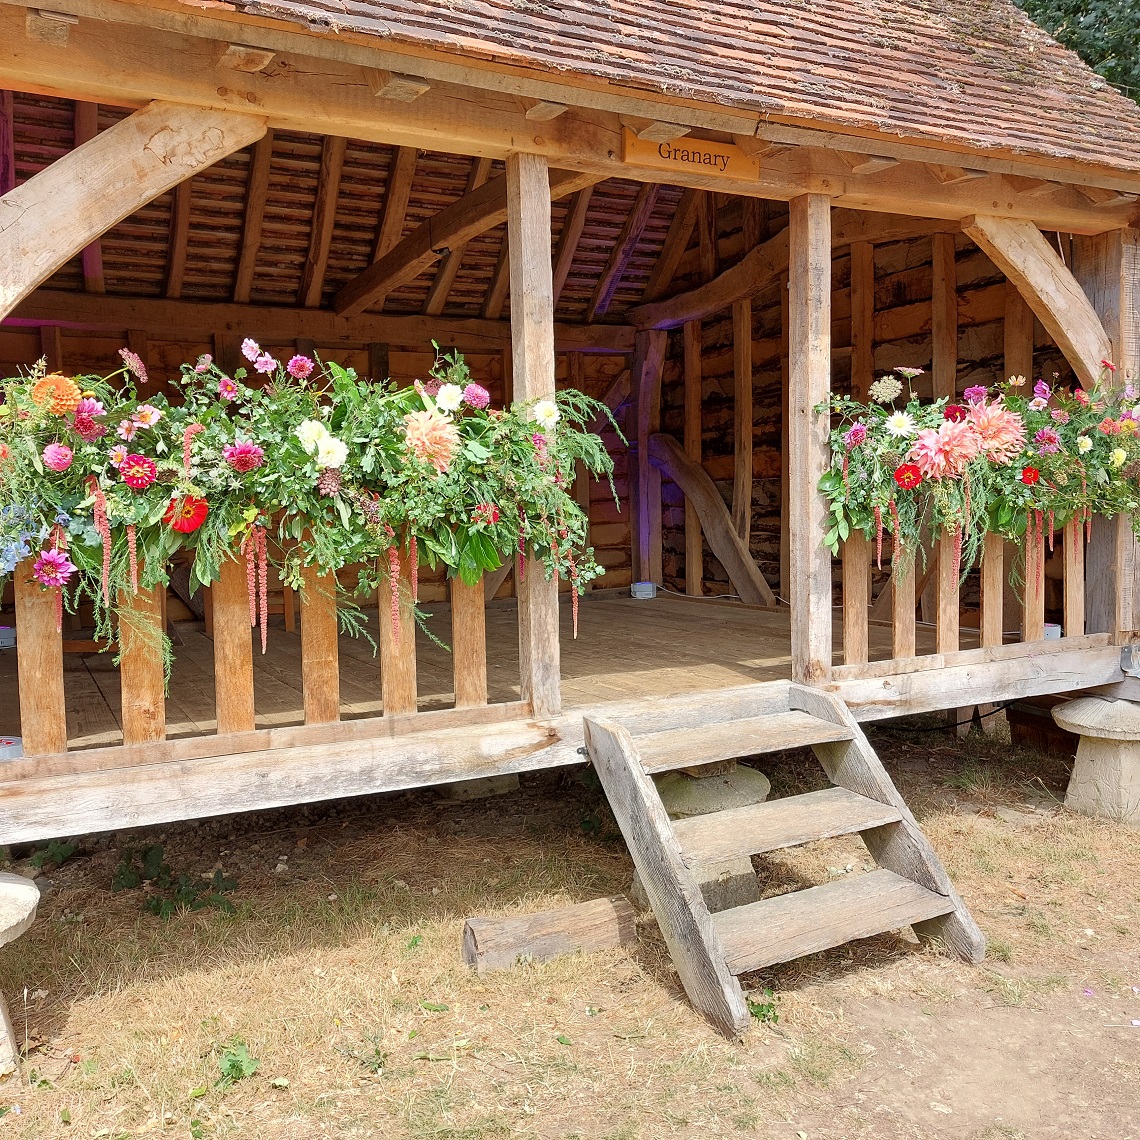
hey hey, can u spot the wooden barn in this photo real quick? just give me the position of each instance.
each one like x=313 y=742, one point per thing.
x=709 y=216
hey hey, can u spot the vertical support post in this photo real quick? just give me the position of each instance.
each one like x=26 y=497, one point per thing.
x=469 y=643
x=398 y=646
x=947 y=620
x=141 y=680
x=856 y=597
x=532 y=344
x=809 y=343
x=742 y=418
x=39 y=660
x=320 y=648
x=378 y=361
x=993 y=590
x=1018 y=334
x=645 y=382
x=581 y=475
x=694 y=539
x=862 y=318
x=233 y=649
x=51 y=347
x=1074 y=615
x=86 y=128
x=1033 y=619
x=903 y=602
x=785 y=448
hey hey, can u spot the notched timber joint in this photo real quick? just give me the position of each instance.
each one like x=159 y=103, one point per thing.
x=49 y=27
x=655 y=130
x=394 y=85
x=242 y=57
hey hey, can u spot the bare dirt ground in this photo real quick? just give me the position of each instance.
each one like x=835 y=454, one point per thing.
x=334 y=997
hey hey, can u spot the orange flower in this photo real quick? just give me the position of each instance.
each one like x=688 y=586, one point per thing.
x=432 y=437
x=59 y=393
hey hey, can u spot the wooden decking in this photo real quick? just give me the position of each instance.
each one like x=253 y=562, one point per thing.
x=625 y=649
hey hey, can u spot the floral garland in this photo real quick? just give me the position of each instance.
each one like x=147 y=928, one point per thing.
x=102 y=485
x=1001 y=461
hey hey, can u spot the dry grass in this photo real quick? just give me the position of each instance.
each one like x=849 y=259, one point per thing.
x=342 y=975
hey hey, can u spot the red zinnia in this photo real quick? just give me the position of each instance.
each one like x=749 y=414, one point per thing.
x=1030 y=475
x=186 y=514
x=908 y=476
x=955 y=413
x=138 y=472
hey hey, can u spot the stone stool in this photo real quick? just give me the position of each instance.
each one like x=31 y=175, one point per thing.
x=699 y=791
x=19 y=898
x=1106 y=777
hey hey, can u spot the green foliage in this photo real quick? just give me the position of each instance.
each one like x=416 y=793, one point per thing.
x=369 y=1054
x=1104 y=33
x=765 y=1010
x=55 y=853
x=171 y=895
x=236 y=1063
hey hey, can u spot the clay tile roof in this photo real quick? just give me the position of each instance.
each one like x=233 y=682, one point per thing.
x=972 y=74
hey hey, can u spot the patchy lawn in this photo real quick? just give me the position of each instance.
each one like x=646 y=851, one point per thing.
x=331 y=1000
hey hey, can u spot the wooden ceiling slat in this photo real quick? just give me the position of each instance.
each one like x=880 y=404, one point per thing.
x=619 y=260
x=500 y=283
x=324 y=215
x=450 y=265
x=676 y=242
x=257 y=188
x=569 y=238
x=179 y=239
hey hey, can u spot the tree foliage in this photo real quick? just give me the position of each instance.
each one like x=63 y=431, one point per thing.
x=1104 y=33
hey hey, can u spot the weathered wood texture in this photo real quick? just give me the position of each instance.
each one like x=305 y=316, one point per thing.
x=233 y=649
x=856 y=597
x=140 y=666
x=498 y=943
x=398 y=644
x=694 y=536
x=39 y=653
x=51 y=217
x=469 y=643
x=320 y=650
x=645 y=379
x=742 y=419
x=685 y=922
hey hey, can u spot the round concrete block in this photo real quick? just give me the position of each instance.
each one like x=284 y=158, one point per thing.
x=1106 y=775
x=19 y=898
x=685 y=796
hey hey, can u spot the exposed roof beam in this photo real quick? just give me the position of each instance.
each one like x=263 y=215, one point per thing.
x=242 y=57
x=324 y=215
x=500 y=284
x=473 y=214
x=86 y=128
x=631 y=231
x=569 y=238
x=762 y=265
x=278 y=325
x=395 y=85
x=256 y=191
x=450 y=265
x=401 y=174
x=179 y=240
x=676 y=242
x=954 y=175
x=543 y=110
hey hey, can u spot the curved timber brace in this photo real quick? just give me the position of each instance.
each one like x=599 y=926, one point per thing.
x=53 y=216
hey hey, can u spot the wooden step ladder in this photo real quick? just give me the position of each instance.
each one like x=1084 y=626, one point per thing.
x=911 y=888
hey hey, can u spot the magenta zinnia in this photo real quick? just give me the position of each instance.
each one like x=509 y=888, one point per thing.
x=1048 y=441
x=243 y=456
x=52 y=568
x=138 y=472
x=431 y=437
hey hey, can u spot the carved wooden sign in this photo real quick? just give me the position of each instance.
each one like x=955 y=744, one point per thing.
x=689 y=154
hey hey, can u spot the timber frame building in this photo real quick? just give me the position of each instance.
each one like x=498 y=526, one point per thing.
x=708 y=215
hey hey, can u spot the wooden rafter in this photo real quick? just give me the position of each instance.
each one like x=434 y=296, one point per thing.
x=473 y=214
x=178 y=244
x=862 y=318
x=7 y=143
x=635 y=223
x=324 y=215
x=452 y=261
x=86 y=128
x=707 y=235
x=676 y=242
x=500 y=284
x=401 y=174
x=256 y=192
x=569 y=238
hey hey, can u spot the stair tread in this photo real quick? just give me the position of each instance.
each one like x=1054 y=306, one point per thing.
x=785 y=822
x=804 y=922
x=727 y=740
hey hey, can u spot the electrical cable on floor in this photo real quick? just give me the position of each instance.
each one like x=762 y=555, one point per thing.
x=957 y=724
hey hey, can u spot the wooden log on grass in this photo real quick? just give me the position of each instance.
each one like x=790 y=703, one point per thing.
x=498 y=943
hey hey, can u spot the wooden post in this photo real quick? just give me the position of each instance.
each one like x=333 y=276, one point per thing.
x=469 y=643
x=532 y=341
x=862 y=318
x=993 y=590
x=742 y=418
x=694 y=539
x=7 y=143
x=856 y=597
x=785 y=449
x=51 y=347
x=233 y=649
x=1033 y=615
x=320 y=647
x=1019 y=325
x=947 y=621
x=809 y=267
x=39 y=660
x=141 y=679
x=398 y=646
x=645 y=381
x=903 y=602
x=86 y=128
x=1074 y=615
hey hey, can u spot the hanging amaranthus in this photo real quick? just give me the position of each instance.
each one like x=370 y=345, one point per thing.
x=133 y=554
x=187 y=439
x=414 y=568
x=263 y=583
x=103 y=528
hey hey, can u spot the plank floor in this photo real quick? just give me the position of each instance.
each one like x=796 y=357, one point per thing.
x=625 y=649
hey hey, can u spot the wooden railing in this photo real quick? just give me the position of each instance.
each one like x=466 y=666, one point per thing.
x=43 y=701
x=864 y=625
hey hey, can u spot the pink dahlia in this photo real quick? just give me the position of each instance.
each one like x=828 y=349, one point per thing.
x=243 y=456
x=265 y=363
x=1001 y=431
x=1060 y=416
x=476 y=396
x=855 y=435
x=945 y=450
x=299 y=367
x=89 y=406
x=85 y=423
x=1048 y=441
x=57 y=456
x=431 y=437
x=52 y=568
x=975 y=394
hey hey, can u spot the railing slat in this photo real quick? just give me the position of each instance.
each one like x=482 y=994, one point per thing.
x=469 y=643
x=398 y=649
x=39 y=656
x=320 y=651
x=233 y=649
x=1033 y=608
x=947 y=620
x=1074 y=565
x=993 y=589
x=141 y=680
x=856 y=597
x=903 y=602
